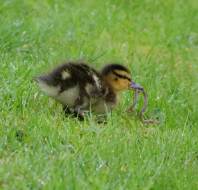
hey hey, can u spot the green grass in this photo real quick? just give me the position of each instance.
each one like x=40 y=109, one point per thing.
x=41 y=149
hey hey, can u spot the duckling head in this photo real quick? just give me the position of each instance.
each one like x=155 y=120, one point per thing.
x=117 y=76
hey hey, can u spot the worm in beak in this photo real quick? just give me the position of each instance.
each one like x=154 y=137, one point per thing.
x=135 y=86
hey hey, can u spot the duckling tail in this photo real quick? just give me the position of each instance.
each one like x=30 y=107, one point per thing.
x=46 y=85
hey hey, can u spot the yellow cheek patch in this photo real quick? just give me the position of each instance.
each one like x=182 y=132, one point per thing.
x=119 y=84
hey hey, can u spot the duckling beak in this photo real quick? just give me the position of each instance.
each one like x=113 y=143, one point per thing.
x=135 y=86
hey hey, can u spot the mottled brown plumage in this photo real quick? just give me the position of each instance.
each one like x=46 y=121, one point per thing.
x=79 y=87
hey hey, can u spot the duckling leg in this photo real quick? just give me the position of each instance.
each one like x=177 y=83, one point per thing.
x=66 y=110
x=80 y=104
x=72 y=113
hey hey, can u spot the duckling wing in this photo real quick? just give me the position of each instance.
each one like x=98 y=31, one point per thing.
x=90 y=80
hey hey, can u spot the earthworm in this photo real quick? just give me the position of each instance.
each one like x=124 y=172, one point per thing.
x=137 y=90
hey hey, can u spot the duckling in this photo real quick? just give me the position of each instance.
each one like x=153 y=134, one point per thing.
x=80 y=88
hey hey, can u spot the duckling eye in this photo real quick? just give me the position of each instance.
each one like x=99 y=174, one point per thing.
x=116 y=79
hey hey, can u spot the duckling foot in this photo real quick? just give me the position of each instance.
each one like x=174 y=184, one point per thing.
x=73 y=113
x=79 y=113
x=66 y=110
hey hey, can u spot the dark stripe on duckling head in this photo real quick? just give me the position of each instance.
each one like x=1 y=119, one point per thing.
x=109 y=68
x=121 y=76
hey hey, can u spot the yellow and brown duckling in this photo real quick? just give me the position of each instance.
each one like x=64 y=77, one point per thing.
x=80 y=88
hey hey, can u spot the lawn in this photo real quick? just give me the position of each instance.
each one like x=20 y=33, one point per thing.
x=42 y=149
